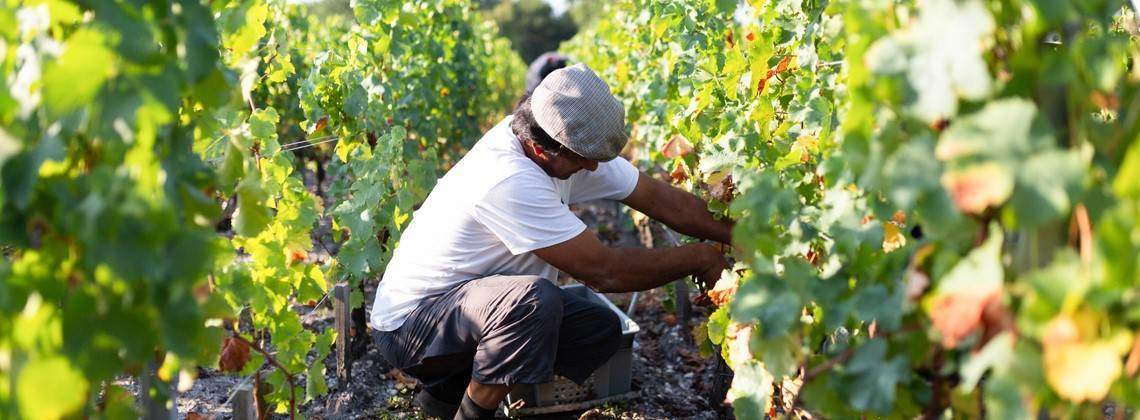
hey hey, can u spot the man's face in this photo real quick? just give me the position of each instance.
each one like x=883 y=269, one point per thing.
x=565 y=164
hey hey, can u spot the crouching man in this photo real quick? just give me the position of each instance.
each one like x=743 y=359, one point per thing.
x=466 y=304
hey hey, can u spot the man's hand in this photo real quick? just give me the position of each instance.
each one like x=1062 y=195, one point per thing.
x=714 y=269
x=714 y=266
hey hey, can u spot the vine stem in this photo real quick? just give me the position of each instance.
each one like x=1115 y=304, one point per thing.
x=288 y=376
x=1084 y=228
x=807 y=375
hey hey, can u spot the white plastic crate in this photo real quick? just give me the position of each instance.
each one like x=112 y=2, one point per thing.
x=609 y=382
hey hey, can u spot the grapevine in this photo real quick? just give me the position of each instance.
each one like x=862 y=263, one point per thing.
x=935 y=200
x=207 y=118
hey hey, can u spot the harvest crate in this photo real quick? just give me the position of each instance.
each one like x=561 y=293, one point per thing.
x=609 y=383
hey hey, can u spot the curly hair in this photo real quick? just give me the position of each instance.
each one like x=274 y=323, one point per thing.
x=527 y=129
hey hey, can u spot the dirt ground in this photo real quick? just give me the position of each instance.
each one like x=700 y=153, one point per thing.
x=671 y=379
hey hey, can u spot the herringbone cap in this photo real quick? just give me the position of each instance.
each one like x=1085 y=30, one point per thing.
x=577 y=109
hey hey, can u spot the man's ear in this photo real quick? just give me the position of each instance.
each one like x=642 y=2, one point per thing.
x=536 y=148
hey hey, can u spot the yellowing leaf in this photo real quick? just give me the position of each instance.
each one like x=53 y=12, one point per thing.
x=1079 y=366
x=724 y=289
x=892 y=237
x=737 y=338
x=1082 y=371
x=978 y=187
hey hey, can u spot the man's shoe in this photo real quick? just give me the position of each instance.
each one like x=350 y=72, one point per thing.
x=434 y=407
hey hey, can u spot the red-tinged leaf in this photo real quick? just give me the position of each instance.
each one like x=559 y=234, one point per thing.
x=669 y=319
x=321 y=123
x=728 y=39
x=751 y=36
x=194 y=415
x=979 y=187
x=724 y=290
x=297 y=256
x=1104 y=100
x=996 y=318
x=957 y=315
x=899 y=218
x=235 y=354
x=812 y=257
x=782 y=66
x=940 y=125
x=760 y=85
x=679 y=174
x=677 y=146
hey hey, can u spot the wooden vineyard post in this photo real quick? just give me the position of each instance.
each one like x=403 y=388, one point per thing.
x=680 y=290
x=680 y=287
x=242 y=403
x=156 y=408
x=681 y=300
x=342 y=311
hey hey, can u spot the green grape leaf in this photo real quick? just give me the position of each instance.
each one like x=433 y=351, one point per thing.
x=1004 y=129
x=750 y=391
x=9 y=146
x=233 y=167
x=1040 y=199
x=772 y=304
x=246 y=27
x=252 y=214
x=1127 y=182
x=717 y=324
x=315 y=385
x=50 y=388
x=20 y=173
x=996 y=355
x=872 y=378
x=73 y=80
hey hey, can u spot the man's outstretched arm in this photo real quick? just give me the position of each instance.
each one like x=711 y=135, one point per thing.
x=614 y=270
x=680 y=210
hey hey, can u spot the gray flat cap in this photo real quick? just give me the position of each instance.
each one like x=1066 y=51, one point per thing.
x=576 y=108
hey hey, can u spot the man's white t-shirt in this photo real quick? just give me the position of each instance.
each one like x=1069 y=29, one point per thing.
x=484 y=217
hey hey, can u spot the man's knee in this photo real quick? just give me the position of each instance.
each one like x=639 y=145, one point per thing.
x=537 y=299
x=610 y=326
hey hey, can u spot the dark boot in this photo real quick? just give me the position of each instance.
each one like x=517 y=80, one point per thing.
x=435 y=407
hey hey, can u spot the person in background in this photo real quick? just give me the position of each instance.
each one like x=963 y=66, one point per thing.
x=542 y=66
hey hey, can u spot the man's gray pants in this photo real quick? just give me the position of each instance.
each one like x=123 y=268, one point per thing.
x=501 y=330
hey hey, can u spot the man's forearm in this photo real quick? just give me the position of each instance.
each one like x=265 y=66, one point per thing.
x=692 y=218
x=644 y=269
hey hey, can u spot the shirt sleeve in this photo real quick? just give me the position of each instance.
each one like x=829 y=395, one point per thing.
x=613 y=180
x=526 y=213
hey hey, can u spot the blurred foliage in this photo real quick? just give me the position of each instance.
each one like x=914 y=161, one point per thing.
x=531 y=26
x=936 y=200
x=125 y=125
